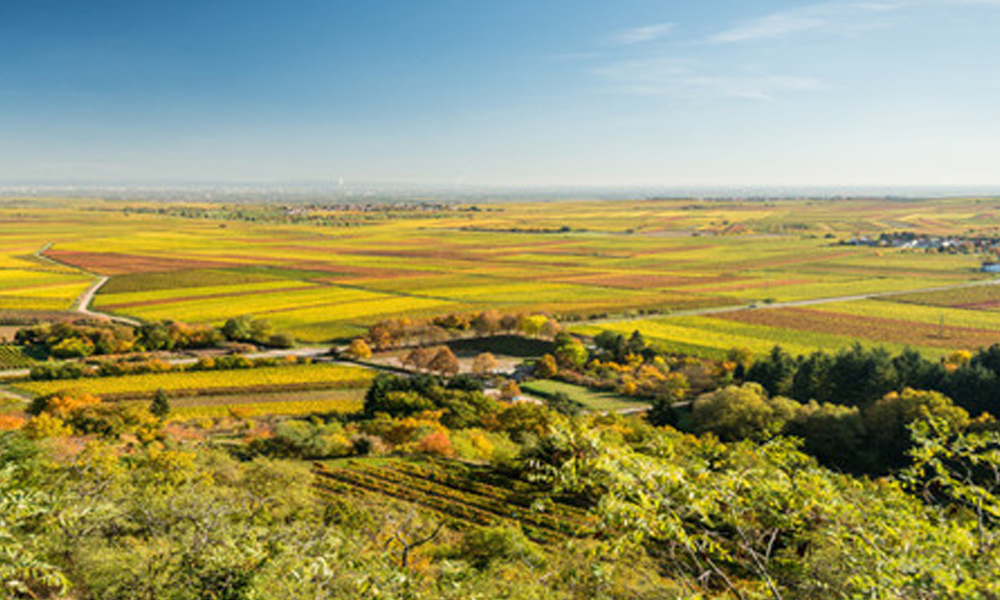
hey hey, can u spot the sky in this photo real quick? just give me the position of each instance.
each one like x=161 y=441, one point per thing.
x=501 y=92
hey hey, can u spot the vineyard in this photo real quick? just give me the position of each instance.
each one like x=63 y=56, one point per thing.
x=13 y=357
x=577 y=260
x=248 y=381
x=459 y=492
x=220 y=408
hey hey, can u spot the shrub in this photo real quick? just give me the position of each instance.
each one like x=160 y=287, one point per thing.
x=437 y=444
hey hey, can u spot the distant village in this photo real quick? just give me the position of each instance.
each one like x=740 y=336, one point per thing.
x=988 y=246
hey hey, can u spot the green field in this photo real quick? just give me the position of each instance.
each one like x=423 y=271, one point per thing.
x=250 y=404
x=591 y=400
x=211 y=383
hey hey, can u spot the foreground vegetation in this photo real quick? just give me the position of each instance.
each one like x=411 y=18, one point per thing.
x=589 y=507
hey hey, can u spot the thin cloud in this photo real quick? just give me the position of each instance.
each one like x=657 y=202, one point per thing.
x=678 y=78
x=640 y=35
x=839 y=17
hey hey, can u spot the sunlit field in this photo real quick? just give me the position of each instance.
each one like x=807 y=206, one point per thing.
x=581 y=261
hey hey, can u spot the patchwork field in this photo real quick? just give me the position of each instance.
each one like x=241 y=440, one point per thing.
x=577 y=260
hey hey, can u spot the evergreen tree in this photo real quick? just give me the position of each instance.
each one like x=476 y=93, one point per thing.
x=160 y=406
x=774 y=372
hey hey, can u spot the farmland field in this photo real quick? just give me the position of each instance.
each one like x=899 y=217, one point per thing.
x=464 y=493
x=13 y=357
x=578 y=260
x=185 y=383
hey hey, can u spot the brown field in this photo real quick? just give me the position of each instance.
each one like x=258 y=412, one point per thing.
x=204 y=297
x=869 y=328
x=113 y=263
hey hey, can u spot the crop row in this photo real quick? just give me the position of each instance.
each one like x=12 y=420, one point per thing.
x=314 y=376
x=472 y=507
x=339 y=406
x=883 y=330
x=11 y=357
x=464 y=483
x=508 y=506
x=349 y=482
x=170 y=280
x=983 y=296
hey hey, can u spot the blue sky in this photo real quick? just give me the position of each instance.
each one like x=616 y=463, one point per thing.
x=502 y=92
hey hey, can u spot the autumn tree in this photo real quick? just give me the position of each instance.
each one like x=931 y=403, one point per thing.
x=419 y=358
x=487 y=322
x=484 y=364
x=359 y=349
x=444 y=362
x=546 y=367
x=509 y=390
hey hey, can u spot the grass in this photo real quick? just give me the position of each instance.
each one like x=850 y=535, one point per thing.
x=591 y=400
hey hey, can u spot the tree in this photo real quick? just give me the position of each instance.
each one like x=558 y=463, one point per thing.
x=160 y=406
x=419 y=358
x=811 y=379
x=359 y=349
x=736 y=413
x=532 y=325
x=486 y=323
x=569 y=352
x=484 y=364
x=860 y=376
x=238 y=329
x=636 y=343
x=774 y=371
x=612 y=345
x=959 y=469
x=509 y=390
x=888 y=421
x=444 y=362
x=551 y=328
x=546 y=367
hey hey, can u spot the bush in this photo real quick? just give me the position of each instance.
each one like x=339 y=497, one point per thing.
x=298 y=438
x=486 y=545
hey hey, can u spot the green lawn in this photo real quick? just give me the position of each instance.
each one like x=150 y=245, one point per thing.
x=592 y=400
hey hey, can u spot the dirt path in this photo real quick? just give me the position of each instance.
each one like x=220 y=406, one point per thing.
x=82 y=304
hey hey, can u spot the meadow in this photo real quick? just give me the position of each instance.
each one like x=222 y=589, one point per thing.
x=590 y=400
x=661 y=263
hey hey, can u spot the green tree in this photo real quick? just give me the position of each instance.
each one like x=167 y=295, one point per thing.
x=736 y=413
x=889 y=419
x=569 y=352
x=160 y=407
x=774 y=371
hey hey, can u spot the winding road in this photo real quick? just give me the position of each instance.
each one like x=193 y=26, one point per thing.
x=82 y=305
